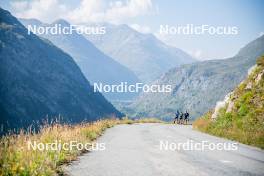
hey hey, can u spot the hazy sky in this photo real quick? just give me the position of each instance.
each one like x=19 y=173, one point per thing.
x=147 y=16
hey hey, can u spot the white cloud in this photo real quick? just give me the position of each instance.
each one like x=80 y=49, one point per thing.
x=261 y=33
x=197 y=53
x=45 y=10
x=140 y=28
x=115 y=11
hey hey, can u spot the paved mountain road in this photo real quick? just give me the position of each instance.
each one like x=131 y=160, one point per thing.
x=134 y=150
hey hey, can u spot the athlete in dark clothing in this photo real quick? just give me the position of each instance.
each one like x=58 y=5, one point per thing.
x=181 y=118
x=176 y=119
x=186 y=117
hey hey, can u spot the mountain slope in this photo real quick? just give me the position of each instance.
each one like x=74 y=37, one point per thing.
x=38 y=80
x=241 y=116
x=95 y=65
x=144 y=54
x=198 y=86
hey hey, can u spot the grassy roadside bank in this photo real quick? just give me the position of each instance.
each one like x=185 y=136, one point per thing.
x=17 y=159
x=242 y=117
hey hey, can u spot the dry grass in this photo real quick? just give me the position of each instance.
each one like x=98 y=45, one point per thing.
x=203 y=124
x=142 y=120
x=16 y=158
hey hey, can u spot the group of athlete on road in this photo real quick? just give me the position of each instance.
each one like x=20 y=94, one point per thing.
x=181 y=118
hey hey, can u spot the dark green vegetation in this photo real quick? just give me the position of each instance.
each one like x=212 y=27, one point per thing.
x=197 y=87
x=242 y=118
x=39 y=81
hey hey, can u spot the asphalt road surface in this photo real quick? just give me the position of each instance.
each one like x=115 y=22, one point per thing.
x=140 y=150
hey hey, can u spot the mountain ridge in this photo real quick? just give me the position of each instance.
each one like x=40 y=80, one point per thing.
x=198 y=86
x=96 y=66
x=39 y=81
x=144 y=54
